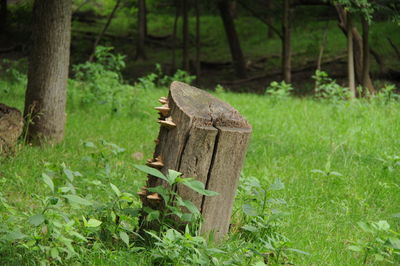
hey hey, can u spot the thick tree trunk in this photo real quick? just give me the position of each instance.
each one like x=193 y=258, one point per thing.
x=233 y=39
x=103 y=31
x=185 y=35
x=45 y=97
x=350 y=57
x=3 y=15
x=366 y=81
x=206 y=139
x=141 y=24
x=174 y=38
x=198 y=66
x=286 y=43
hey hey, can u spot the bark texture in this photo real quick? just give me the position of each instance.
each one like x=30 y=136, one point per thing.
x=358 y=49
x=233 y=39
x=11 y=123
x=350 y=57
x=208 y=143
x=45 y=98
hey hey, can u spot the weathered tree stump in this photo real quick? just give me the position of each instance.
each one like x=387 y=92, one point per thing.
x=206 y=139
x=11 y=124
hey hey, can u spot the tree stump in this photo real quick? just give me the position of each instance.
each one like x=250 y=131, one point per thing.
x=206 y=139
x=11 y=123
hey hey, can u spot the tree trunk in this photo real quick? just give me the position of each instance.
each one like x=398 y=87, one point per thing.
x=141 y=38
x=198 y=67
x=286 y=43
x=269 y=19
x=206 y=139
x=233 y=39
x=3 y=15
x=357 y=48
x=174 y=39
x=45 y=97
x=366 y=81
x=350 y=57
x=185 y=35
x=101 y=34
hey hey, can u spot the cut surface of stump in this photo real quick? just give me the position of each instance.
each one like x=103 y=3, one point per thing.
x=206 y=139
x=11 y=124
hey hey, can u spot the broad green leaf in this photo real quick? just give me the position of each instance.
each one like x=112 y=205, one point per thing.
x=54 y=253
x=383 y=225
x=48 y=181
x=277 y=185
x=37 y=219
x=124 y=237
x=355 y=248
x=395 y=242
x=172 y=175
x=90 y=144
x=249 y=210
x=77 y=200
x=190 y=206
x=151 y=171
x=69 y=174
x=335 y=173
x=15 y=235
x=198 y=187
x=298 y=251
x=151 y=214
x=249 y=228
x=131 y=211
x=116 y=190
x=93 y=223
x=317 y=171
x=77 y=235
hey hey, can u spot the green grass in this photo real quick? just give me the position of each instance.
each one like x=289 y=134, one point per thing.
x=291 y=137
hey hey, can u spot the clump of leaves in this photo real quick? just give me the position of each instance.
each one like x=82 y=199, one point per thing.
x=160 y=79
x=381 y=245
x=101 y=81
x=262 y=220
x=390 y=162
x=176 y=248
x=279 y=89
x=327 y=88
x=173 y=202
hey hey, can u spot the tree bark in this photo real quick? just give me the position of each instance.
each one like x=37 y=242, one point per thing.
x=185 y=35
x=233 y=39
x=141 y=24
x=101 y=34
x=366 y=81
x=45 y=97
x=198 y=66
x=286 y=43
x=350 y=56
x=3 y=15
x=207 y=142
x=357 y=48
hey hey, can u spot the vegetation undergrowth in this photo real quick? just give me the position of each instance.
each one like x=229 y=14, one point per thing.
x=320 y=183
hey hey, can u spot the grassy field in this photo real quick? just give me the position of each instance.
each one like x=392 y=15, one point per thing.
x=336 y=160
